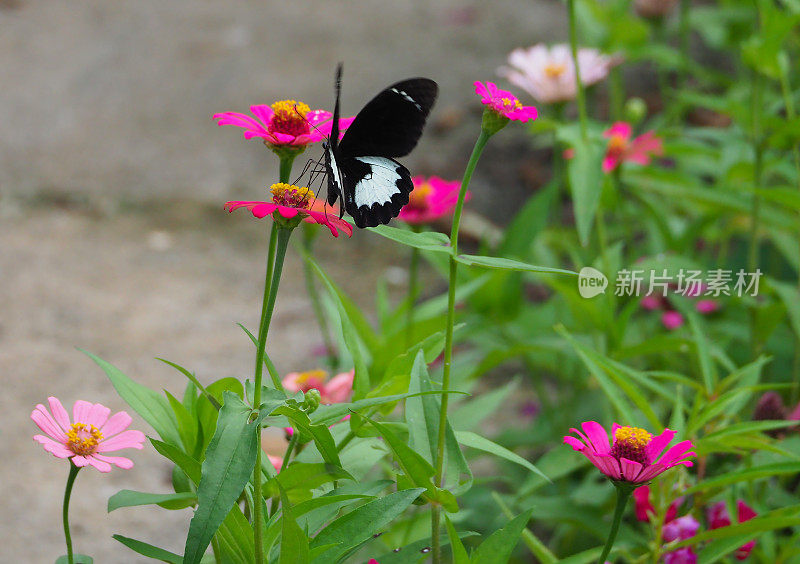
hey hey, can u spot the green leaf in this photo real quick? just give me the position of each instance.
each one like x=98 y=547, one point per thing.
x=707 y=368
x=303 y=477
x=776 y=519
x=474 y=440
x=77 y=559
x=746 y=475
x=359 y=525
x=586 y=183
x=529 y=221
x=294 y=542
x=235 y=539
x=230 y=458
x=187 y=424
x=327 y=414
x=189 y=465
x=498 y=547
x=508 y=264
x=151 y=406
x=426 y=240
x=130 y=498
x=790 y=296
x=193 y=379
x=146 y=549
x=418 y=551
x=320 y=433
x=415 y=466
x=458 y=551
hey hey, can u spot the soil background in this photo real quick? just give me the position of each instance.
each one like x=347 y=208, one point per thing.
x=112 y=180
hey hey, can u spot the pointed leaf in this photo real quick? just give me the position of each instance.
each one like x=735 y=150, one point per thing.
x=146 y=549
x=130 y=498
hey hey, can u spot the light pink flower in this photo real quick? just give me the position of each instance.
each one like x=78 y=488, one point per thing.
x=335 y=390
x=504 y=103
x=718 y=517
x=681 y=556
x=430 y=199
x=548 y=73
x=92 y=434
x=289 y=201
x=634 y=456
x=651 y=302
x=276 y=461
x=644 y=508
x=622 y=148
x=672 y=319
x=681 y=528
x=284 y=123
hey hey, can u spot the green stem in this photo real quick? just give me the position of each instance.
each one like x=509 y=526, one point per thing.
x=623 y=493
x=289 y=450
x=313 y=295
x=413 y=290
x=616 y=91
x=73 y=473
x=270 y=294
x=483 y=138
x=285 y=173
x=573 y=42
x=755 y=211
x=684 y=32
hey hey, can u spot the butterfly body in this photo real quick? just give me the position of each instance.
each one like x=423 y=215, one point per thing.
x=361 y=168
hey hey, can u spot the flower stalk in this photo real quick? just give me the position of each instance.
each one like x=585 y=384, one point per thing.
x=73 y=473
x=483 y=138
x=624 y=491
x=413 y=290
x=573 y=43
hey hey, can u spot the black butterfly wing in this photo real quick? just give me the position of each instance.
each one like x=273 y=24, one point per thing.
x=391 y=123
x=374 y=188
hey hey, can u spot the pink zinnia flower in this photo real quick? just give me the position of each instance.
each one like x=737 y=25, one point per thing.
x=680 y=529
x=622 y=148
x=430 y=199
x=681 y=556
x=288 y=202
x=335 y=390
x=652 y=302
x=718 y=517
x=634 y=455
x=548 y=73
x=672 y=319
x=504 y=103
x=92 y=434
x=644 y=508
x=706 y=306
x=284 y=123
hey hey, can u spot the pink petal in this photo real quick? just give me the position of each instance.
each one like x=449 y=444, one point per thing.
x=480 y=90
x=288 y=212
x=283 y=138
x=80 y=411
x=607 y=464
x=117 y=423
x=126 y=439
x=675 y=453
x=574 y=443
x=98 y=415
x=316 y=117
x=80 y=461
x=651 y=472
x=745 y=511
x=610 y=162
x=597 y=435
x=121 y=461
x=59 y=413
x=630 y=469
x=250 y=125
x=53 y=447
x=339 y=388
x=263 y=112
x=659 y=443
x=99 y=464
x=47 y=424
x=619 y=128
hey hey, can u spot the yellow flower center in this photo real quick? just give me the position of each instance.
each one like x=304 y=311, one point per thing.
x=509 y=104
x=617 y=144
x=631 y=443
x=289 y=117
x=83 y=439
x=313 y=379
x=419 y=196
x=292 y=196
x=554 y=70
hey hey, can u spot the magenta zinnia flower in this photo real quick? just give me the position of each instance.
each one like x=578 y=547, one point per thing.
x=335 y=390
x=284 y=123
x=548 y=73
x=718 y=517
x=622 y=148
x=504 y=103
x=633 y=455
x=92 y=434
x=644 y=508
x=431 y=199
x=680 y=529
x=290 y=201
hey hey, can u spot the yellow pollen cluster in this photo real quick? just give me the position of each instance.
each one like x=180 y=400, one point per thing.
x=83 y=439
x=633 y=436
x=554 y=70
x=617 y=144
x=290 y=195
x=510 y=104
x=290 y=117
x=419 y=196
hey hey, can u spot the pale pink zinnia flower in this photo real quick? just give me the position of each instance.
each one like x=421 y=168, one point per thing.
x=335 y=390
x=548 y=73
x=284 y=123
x=718 y=517
x=92 y=434
x=431 y=199
x=276 y=462
x=622 y=148
x=504 y=103
x=290 y=201
x=634 y=455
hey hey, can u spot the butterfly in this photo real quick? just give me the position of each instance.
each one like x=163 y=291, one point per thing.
x=361 y=169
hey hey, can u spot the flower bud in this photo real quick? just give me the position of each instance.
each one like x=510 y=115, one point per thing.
x=635 y=110
x=312 y=399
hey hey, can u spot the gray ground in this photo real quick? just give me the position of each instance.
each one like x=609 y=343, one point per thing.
x=112 y=177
